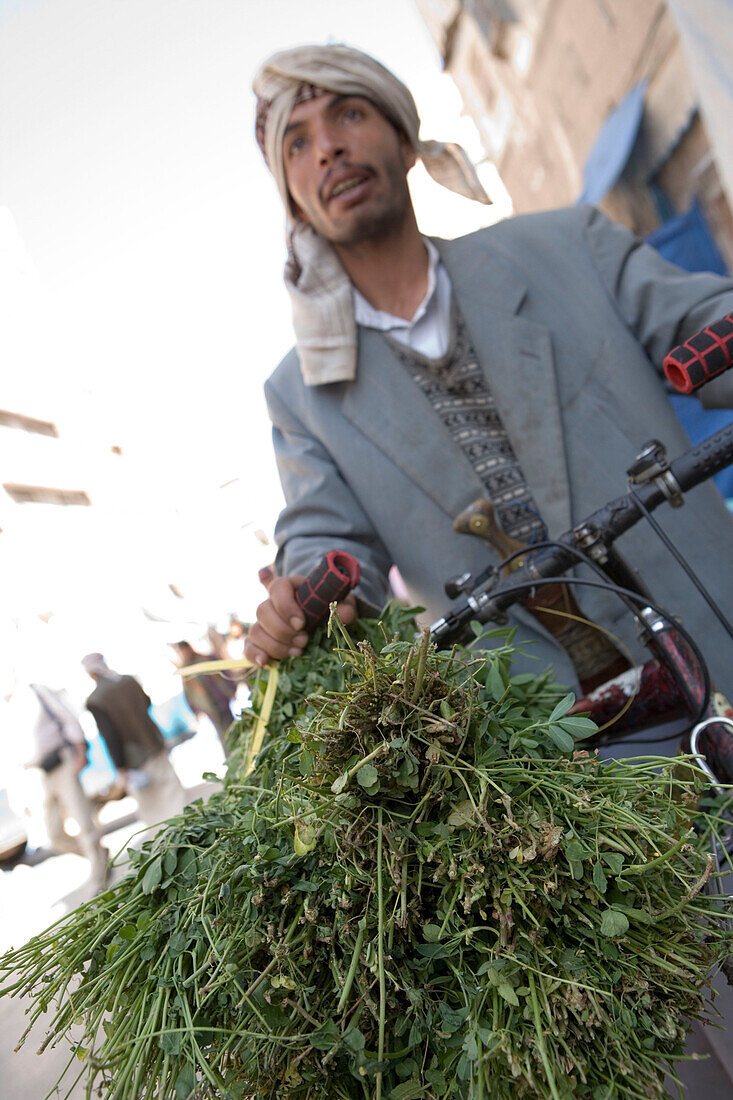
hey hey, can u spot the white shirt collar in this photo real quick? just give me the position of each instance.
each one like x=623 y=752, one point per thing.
x=370 y=317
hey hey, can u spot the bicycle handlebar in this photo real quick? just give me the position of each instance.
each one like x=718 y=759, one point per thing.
x=490 y=599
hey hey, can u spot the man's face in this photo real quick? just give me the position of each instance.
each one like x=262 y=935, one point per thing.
x=346 y=168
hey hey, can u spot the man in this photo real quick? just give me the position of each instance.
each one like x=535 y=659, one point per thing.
x=60 y=753
x=516 y=363
x=210 y=694
x=120 y=708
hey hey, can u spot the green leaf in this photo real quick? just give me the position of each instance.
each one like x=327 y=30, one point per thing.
x=268 y=852
x=153 y=876
x=339 y=784
x=639 y=915
x=614 y=924
x=562 y=707
x=187 y=865
x=463 y=1070
x=431 y=933
x=462 y=814
x=408 y=1090
x=578 y=726
x=185 y=1082
x=354 y=1039
x=575 y=851
x=306 y=763
x=563 y=740
x=435 y=1078
x=305 y=886
x=451 y=1018
x=367 y=775
x=169 y=860
x=470 y=1045
x=507 y=992
x=325 y=1037
x=599 y=879
x=614 y=860
x=495 y=682
x=170 y=1042
x=432 y=950
x=177 y=944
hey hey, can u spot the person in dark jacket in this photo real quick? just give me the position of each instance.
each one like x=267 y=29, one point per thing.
x=209 y=694
x=120 y=708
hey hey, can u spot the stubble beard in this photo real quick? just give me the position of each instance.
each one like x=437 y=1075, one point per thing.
x=377 y=222
x=374 y=226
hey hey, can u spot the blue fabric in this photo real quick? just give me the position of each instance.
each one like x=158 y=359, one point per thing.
x=686 y=240
x=99 y=771
x=612 y=148
x=173 y=717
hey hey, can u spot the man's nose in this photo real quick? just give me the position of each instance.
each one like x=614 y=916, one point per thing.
x=329 y=143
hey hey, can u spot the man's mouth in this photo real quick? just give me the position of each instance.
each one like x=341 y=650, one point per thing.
x=345 y=185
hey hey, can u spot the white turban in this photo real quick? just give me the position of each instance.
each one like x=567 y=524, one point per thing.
x=319 y=288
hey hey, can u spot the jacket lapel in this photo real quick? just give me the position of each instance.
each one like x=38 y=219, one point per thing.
x=516 y=356
x=393 y=412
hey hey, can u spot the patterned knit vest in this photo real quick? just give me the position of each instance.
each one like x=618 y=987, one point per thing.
x=457 y=390
x=456 y=387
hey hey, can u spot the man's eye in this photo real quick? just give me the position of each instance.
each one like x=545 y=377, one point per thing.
x=296 y=145
x=352 y=113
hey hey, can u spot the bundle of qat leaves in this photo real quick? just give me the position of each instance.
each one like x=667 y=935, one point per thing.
x=424 y=890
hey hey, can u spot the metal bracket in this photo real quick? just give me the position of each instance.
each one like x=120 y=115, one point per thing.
x=589 y=541
x=651 y=465
x=718 y=720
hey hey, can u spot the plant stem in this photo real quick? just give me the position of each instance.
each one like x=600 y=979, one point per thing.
x=540 y=1037
x=352 y=967
x=420 y=674
x=640 y=868
x=380 y=952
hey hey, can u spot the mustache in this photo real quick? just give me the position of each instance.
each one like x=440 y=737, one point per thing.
x=325 y=187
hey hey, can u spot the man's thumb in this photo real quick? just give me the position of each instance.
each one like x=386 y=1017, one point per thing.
x=266 y=575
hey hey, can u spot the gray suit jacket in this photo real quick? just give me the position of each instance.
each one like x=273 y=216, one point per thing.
x=569 y=315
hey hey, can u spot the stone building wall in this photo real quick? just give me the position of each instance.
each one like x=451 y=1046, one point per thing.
x=540 y=77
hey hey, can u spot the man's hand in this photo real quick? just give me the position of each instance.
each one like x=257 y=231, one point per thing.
x=280 y=627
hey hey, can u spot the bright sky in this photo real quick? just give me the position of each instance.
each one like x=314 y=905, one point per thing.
x=141 y=251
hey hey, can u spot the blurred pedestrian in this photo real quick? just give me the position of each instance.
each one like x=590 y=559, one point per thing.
x=120 y=708
x=210 y=693
x=61 y=755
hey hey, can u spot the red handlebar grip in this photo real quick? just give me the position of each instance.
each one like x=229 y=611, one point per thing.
x=702 y=357
x=332 y=579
